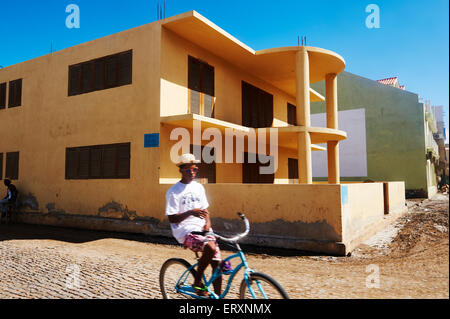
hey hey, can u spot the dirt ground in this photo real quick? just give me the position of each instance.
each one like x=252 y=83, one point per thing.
x=408 y=259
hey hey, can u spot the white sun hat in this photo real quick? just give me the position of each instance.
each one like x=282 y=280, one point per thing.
x=187 y=159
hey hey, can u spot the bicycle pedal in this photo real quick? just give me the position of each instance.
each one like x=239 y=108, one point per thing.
x=225 y=267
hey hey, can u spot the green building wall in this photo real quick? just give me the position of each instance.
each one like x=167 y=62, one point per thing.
x=395 y=136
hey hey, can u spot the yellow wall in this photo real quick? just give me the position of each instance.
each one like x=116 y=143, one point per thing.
x=49 y=121
x=396 y=196
x=297 y=211
x=362 y=206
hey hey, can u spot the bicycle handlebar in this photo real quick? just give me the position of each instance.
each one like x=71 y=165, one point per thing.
x=237 y=237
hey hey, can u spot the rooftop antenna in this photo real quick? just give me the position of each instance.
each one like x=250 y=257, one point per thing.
x=164 y=9
x=157 y=11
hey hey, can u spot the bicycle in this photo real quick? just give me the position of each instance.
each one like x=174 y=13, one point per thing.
x=254 y=285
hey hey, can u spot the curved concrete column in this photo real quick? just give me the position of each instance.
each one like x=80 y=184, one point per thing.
x=302 y=88
x=332 y=122
x=304 y=158
x=333 y=162
x=303 y=116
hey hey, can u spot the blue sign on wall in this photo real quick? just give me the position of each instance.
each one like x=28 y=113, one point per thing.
x=151 y=140
x=344 y=194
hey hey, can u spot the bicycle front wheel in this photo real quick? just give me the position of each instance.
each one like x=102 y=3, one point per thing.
x=174 y=275
x=262 y=286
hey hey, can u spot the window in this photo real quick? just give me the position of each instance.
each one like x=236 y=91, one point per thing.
x=257 y=107
x=98 y=162
x=15 y=93
x=100 y=74
x=291 y=114
x=251 y=174
x=207 y=171
x=2 y=95
x=201 y=87
x=293 y=170
x=12 y=165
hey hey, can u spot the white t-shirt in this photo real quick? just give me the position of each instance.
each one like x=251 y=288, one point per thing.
x=181 y=198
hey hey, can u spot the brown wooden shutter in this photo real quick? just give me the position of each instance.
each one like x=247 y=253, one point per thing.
x=254 y=103
x=207 y=88
x=102 y=73
x=99 y=74
x=71 y=163
x=208 y=106
x=250 y=172
x=123 y=160
x=194 y=102
x=12 y=165
x=99 y=161
x=83 y=163
x=209 y=169
x=252 y=107
x=194 y=85
x=2 y=95
x=15 y=93
x=74 y=80
x=201 y=87
x=193 y=74
x=87 y=75
x=125 y=68
x=207 y=79
x=265 y=178
x=95 y=162
x=257 y=107
x=109 y=160
x=292 y=169
x=111 y=72
x=19 y=92
x=245 y=105
x=263 y=111
x=269 y=109
x=292 y=114
x=1 y=166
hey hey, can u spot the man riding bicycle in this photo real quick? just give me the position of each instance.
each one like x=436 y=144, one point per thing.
x=186 y=208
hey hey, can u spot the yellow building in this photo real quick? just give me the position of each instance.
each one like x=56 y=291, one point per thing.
x=86 y=136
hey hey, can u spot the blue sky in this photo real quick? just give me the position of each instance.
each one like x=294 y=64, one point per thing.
x=411 y=43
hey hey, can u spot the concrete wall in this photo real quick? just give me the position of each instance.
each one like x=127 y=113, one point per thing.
x=362 y=207
x=323 y=218
x=394 y=197
x=395 y=137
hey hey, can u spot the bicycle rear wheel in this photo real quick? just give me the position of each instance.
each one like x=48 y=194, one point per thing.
x=171 y=277
x=263 y=287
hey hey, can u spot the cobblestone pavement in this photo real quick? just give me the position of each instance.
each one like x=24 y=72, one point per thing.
x=100 y=268
x=48 y=262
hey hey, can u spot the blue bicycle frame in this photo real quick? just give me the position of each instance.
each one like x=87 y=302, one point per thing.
x=188 y=290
